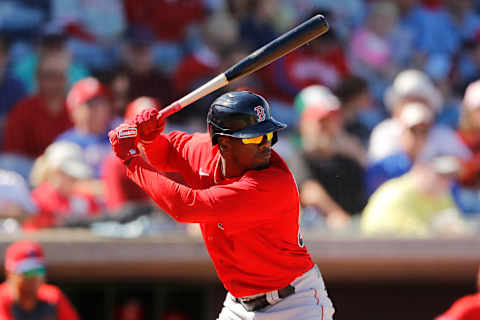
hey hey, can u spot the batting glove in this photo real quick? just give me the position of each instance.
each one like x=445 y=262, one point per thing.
x=149 y=125
x=124 y=142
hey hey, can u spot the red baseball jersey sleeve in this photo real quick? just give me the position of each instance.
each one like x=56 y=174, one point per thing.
x=250 y=224
x=466 y=308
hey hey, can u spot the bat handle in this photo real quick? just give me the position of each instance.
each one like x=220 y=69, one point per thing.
x=212 y=85
x=169 y=110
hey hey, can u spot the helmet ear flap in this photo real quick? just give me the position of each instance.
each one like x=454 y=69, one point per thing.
x=213 y=135
x=274 y=138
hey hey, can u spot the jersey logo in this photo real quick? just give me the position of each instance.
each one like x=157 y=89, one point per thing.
x=203 y=173
x=260 y=113
x=220 y=226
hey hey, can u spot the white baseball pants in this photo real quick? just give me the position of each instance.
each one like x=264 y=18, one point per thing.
x=309 y=302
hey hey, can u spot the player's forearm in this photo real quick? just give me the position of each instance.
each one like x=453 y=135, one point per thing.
x=179 y=201
x=157 y=152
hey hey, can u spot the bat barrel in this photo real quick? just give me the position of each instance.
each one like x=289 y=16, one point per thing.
x=284 y=44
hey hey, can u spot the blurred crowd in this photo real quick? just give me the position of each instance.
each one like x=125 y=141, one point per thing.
x=383 y=110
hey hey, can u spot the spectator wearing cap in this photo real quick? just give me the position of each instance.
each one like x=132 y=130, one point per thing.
x=90 y=110
x=119 y=189
x=413 y=86
x=328 y=168
x=56 y=176
x=37 y=120
x=416 y=120
x=25 y=293
x=416 y=204
x=51 y=41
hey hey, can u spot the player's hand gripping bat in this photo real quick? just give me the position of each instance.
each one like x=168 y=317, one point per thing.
x=270 y=52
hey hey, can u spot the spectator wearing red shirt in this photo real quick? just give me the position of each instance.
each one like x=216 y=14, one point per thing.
x=168 y=19
x=24 y=294
x=119 y=189
x=37 y=120
x=465 y=308
x=56 y=176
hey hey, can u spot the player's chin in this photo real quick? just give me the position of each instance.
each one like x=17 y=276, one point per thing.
x=263 y=161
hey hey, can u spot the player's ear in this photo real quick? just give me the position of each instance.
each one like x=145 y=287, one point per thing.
x=224 y=144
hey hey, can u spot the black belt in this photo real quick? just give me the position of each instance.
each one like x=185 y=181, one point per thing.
x=261 y=302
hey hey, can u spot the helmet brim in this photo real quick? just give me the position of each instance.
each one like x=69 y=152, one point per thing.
x=259 y=129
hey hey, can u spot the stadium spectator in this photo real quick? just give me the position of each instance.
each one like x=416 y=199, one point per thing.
x=119 y=189
x=330 y=164
x=90 y=109
x=372 y=46
x=94 y=26
x=323 y=62
x=465 y=308
x=55 y=176
x=416 y=120
x=119 y=85
x=417 y=204
x=11 y=89
x=168 y=27
x=410 y=86
x=257 y=28
x=37 y=120
x=171 y=30
x=466 y=192
x=469 y=132
x=219 y=32
x=357 y=107
x=143 y=76
x=25 y=293
x=52 y=41
x=15 y=201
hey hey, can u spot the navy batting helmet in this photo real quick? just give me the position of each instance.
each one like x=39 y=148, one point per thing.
x=241 y=114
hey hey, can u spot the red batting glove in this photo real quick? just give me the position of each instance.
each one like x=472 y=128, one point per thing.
x=124 y=141
x=148 y=125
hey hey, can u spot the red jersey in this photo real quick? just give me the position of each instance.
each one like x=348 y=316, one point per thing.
x=466 y=308
x=51 y=305
x=250 y=224
x=31 y=128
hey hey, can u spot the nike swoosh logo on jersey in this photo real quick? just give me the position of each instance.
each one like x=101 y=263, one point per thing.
x=203 y=173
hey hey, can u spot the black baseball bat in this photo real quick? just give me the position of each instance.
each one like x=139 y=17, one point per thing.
x=270 y=52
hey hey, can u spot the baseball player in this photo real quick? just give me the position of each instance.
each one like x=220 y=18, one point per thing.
x=243 y=196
